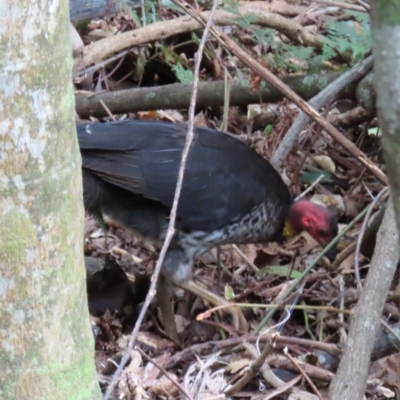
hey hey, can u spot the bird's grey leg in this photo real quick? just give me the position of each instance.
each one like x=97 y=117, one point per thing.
x=164 y=299
x=177 y=267
x=177 y=270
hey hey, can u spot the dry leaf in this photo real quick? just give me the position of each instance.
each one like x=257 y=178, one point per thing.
x=346 y=267
x=150 y=372
x=154 y=341
x=147 y=115
x=250 y=251
x=325 y=163
x=130 y=381
x=237 y=365
x=164 y=387
x=332 y=201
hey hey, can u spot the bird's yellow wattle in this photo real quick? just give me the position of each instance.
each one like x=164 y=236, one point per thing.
x=287 y=230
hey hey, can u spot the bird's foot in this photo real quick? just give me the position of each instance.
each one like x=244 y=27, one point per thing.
x=167 y=310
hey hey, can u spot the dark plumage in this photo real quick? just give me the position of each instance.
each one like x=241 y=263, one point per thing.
x=230 y=194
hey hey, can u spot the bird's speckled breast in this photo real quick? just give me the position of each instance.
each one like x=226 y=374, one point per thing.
x=262 y=224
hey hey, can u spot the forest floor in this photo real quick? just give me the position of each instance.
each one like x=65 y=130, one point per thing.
x=307 y=332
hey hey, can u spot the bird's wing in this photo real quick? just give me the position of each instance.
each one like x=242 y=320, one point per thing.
x=223 y=180
x=111 y=151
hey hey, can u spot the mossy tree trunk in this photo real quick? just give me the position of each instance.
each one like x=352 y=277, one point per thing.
x=46 y=345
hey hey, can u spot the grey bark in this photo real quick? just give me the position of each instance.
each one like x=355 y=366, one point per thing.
x=46 y=349
x=350 y=380
x=386 y=24
x=84 y=10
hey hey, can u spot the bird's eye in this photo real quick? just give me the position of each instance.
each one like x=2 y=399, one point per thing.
x=321 y=232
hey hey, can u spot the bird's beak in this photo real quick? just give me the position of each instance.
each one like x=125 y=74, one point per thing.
x=331 y=254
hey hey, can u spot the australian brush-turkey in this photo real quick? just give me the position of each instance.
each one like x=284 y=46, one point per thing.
x=230 y=194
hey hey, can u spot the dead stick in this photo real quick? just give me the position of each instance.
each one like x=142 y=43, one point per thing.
x=166 y=373
x=306 y=377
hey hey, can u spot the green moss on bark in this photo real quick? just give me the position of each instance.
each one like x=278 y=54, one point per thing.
x=46 y=344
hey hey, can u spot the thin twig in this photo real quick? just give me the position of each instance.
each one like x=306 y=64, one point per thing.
x=287 y=307
x=245 y=258
x=342 y=256
x=315 y=183
x=252 y=371
x=342 y=330
x=143 y=11
x=113 y=70
x=101 y=64
x=306 y=377
x=268 y=374
x=172 y=217
x=382 y=193
x=110 y=114
x=166 y=373
x=214 y=345
x=390 y=329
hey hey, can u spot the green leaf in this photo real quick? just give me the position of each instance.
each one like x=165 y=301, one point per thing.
x=311 y=176
x=264 y=35
x=374 y=131
x=267 y=130
x=279 y=270
x=228 y=292
x=183 y=75
x=352 y=37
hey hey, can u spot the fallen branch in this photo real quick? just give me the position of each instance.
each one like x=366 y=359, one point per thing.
x=101 y=49
x=353 y=117
x=253 y=370
x=177 y=96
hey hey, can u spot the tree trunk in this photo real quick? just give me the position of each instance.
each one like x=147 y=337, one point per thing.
x=46 y=349
x=350 y=380
x=386 y=21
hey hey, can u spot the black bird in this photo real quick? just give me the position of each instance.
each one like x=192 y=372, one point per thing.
x=230 y=194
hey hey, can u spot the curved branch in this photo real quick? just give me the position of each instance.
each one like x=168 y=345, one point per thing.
x=102 y=49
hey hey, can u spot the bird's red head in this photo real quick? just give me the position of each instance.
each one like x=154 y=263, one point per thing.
x=318 y=221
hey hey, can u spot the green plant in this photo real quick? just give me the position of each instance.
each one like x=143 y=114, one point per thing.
x=184 y=75
x=350 y=39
